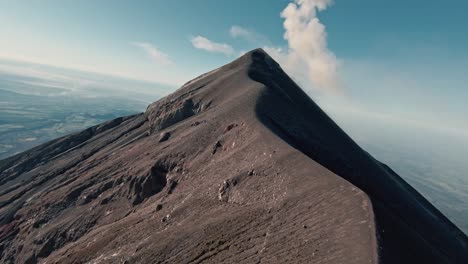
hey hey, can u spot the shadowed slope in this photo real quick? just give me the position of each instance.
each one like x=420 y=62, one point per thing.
x=410 y=228
x=237 y=166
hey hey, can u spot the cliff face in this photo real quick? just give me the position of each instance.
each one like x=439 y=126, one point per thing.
x=237 y=166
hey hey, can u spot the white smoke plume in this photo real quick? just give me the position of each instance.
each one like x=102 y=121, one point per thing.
x=308 y=58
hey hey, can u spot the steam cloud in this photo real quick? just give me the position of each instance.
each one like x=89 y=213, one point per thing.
x=308 y=57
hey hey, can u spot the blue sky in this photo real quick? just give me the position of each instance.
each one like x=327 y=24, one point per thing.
x=401 y=60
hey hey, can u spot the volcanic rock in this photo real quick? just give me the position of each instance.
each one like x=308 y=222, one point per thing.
x=164 y=136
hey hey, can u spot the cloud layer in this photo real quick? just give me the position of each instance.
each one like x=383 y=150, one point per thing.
x=155 y=54
x=203 y=43
x=308 y=58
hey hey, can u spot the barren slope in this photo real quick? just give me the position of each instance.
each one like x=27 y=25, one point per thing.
x=237 y=166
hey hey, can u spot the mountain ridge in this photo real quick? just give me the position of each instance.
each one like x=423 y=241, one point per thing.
x=242 y=152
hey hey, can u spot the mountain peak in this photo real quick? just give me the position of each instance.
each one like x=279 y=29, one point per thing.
x=196 y=95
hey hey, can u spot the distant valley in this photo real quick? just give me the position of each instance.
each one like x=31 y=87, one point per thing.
x=39 y=103
x=28 y=120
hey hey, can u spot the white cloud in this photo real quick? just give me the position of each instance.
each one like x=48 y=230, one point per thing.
x=203 y=43
x=155 y=54
x=308 y=58
x=247 y=34
x=238 y=31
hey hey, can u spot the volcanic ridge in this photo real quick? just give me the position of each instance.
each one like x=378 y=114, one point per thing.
x=237 y=166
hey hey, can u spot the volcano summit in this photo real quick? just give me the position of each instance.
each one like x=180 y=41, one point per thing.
x=237 y=166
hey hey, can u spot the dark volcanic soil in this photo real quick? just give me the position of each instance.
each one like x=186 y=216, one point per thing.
x=237 y=166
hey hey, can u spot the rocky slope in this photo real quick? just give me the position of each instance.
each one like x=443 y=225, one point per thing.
x=237 y=166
